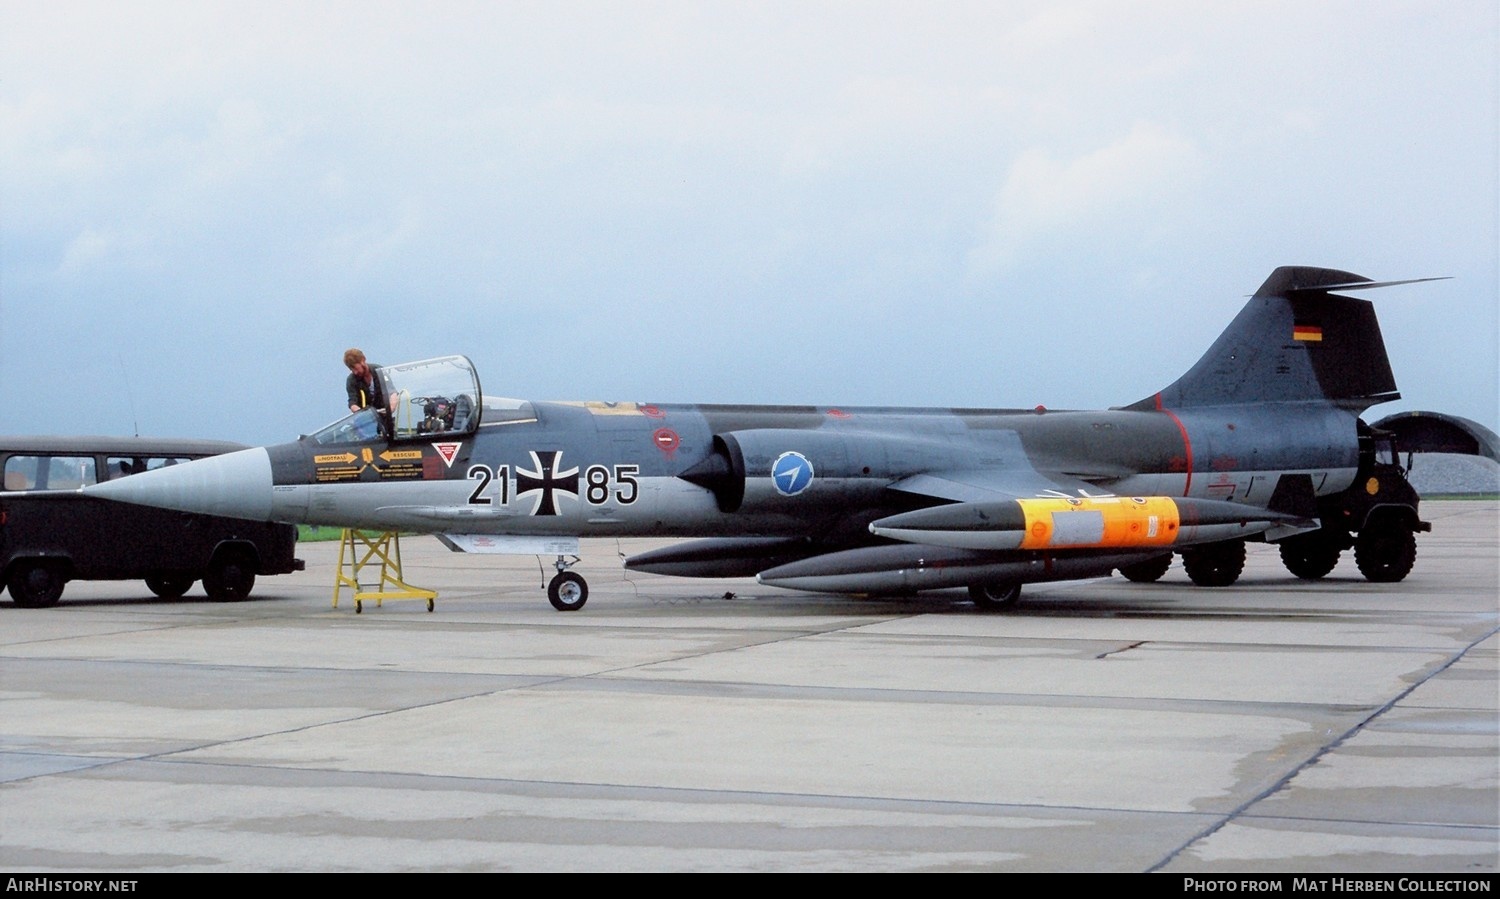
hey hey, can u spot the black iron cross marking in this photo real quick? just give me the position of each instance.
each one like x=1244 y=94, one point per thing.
x=546 y=478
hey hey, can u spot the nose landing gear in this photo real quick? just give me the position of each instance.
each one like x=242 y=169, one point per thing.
x=567 y=591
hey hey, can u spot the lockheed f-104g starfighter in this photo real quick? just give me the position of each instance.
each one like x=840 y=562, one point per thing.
x=1260 y=440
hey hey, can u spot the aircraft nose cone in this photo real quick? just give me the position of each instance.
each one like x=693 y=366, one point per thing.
x=236 y=485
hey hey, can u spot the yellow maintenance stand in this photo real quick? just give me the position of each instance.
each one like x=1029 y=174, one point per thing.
x=360 y=549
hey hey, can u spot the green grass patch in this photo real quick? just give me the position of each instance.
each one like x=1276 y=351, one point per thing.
x=317 y=533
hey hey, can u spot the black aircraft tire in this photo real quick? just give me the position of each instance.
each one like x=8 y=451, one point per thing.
x=169 y=586
x=1215 y=564
x=1149 y=571
x=994 y=597
x=1384 y=555
x=230 y=576
x=1310 y=556
x=568 y=591
x=35 y=585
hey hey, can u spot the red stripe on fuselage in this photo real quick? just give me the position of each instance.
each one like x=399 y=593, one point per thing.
x=1187 y=445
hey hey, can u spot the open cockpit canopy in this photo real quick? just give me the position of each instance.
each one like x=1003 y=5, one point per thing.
x=430 y=398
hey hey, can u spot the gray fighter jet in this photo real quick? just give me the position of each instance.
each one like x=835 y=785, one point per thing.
x=1260 y=440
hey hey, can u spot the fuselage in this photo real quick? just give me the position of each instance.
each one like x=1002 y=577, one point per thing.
x=599 y=469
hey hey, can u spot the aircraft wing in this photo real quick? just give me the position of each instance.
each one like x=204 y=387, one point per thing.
x=993 y=484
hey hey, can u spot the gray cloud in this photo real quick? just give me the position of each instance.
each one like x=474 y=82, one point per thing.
x=968 y=204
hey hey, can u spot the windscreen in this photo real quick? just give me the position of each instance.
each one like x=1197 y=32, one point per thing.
x=356 y=428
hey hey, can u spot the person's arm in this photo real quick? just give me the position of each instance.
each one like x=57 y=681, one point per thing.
x=353 y=388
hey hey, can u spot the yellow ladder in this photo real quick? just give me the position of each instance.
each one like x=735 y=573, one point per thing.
x=359 y=549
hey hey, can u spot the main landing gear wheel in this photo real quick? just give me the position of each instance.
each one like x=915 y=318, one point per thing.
x=1149 y=571
x=1384 y=555
x=35 y=585
x=1310 y=556
x=1215 y=564
x=994 y=597
x=567 y=591
x=169 y=586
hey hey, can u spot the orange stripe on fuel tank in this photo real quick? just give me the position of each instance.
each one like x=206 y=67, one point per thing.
x=1103 y=522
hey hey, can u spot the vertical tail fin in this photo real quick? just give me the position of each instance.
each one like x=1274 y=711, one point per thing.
x=1294 y=341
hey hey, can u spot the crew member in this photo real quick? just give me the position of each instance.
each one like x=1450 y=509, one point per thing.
x=362 y=384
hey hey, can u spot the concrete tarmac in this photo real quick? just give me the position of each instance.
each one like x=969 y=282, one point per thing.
x=1274 y=726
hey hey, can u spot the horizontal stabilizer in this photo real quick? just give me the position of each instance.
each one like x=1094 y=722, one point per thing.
x=1301 y=279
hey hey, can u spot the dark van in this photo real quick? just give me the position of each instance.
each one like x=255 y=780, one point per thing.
x=51 y=534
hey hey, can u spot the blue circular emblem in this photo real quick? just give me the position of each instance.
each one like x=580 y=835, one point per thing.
x=791 y=473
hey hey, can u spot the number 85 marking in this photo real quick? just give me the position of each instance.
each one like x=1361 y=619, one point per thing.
x=625 y=487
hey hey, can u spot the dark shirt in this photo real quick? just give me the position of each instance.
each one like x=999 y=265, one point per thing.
x=362 y=393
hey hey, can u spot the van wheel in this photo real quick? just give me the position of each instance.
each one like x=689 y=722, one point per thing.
x=35 y=585
x=230 y=576
x=169 y=586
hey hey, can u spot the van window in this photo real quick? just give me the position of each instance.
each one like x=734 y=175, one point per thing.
x=49 y=472
x=153 y=464
x=120 y=466
x=20 y=472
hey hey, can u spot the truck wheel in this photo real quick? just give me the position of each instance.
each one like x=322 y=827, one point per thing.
x=1310 y=556
x=1384 y=555
x=994 y=597
x=35 y=585
x=1148 y=572
x=1215 y=564
x=230 y=576
x=169 y=586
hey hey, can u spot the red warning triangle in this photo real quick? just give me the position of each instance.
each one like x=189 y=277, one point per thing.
x=448 y=451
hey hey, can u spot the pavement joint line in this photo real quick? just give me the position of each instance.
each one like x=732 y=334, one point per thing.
x=607 y=679
x=777 y=797
x=1123 y=649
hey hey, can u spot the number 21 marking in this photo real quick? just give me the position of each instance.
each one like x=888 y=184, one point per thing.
x=483 y=475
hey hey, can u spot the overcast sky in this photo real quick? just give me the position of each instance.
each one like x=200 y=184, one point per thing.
x=944 y=204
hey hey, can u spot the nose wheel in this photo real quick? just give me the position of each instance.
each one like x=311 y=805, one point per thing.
x=567 y=591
